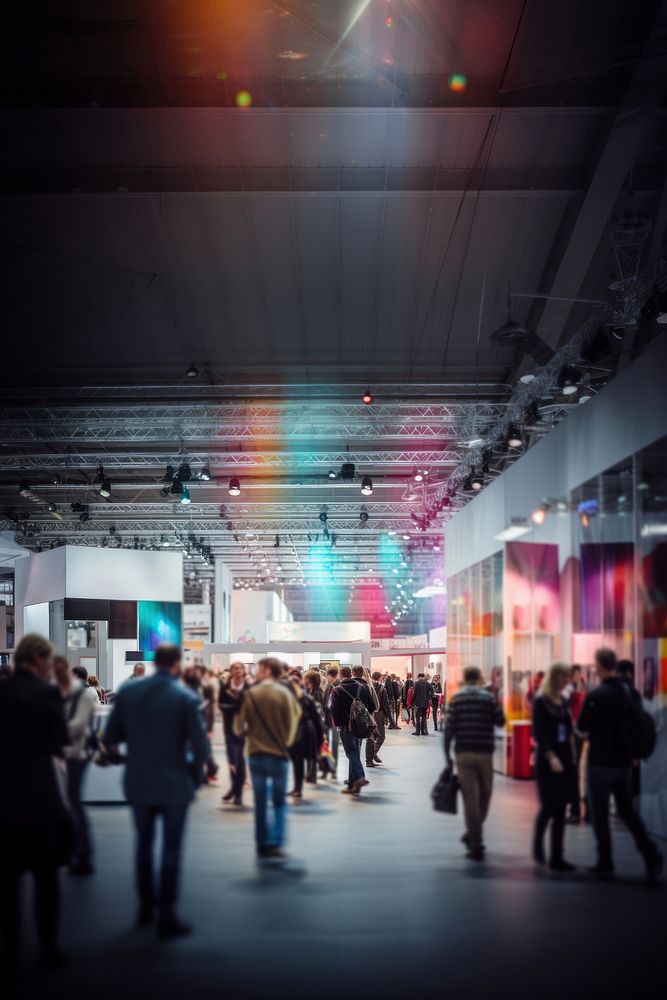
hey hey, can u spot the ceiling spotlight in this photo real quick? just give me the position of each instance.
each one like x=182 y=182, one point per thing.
x=185 y=495
x=176 y=487
x=184 y=472
x=105 y=488
x=234 y=488
x=323 y=517
x=367 y=486
x=363 y=517
x=205 y=474
x=331 y=474
x=406 y=538
x=164 y=541
x=418 y=477
x=475 y=442
x=367 y=398
x=539 y=515
x=192 y=372
x=165 y=491
x=527 y=378
x=662 y=309
x=347 y=472
x=514 y=438
x=568 y=380
x=169 y=474
x=597 y=346
x=24 y=488
x=477 y=482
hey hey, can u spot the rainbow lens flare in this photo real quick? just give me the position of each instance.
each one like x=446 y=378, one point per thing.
x=243 y=99
x=458 y=82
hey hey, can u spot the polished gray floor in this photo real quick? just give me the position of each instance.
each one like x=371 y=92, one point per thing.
x=378 y=901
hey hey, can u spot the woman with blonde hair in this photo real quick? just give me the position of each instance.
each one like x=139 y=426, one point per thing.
x=555 y=767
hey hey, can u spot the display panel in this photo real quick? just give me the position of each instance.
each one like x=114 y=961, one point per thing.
x=81 y=609
x=122 y=620
x=159 y=621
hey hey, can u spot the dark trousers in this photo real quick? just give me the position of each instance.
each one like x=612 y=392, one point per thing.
x=616 y=781
x=81 y=849
x=434 y=707
x=46 y=903
x=298 y=763
x=373 y=744
x=236 y=760
x=554 y=791
x=420 y=721
x=352 y=748
x=173 y=826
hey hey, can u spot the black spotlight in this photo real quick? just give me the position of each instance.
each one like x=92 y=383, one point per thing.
x=192 y=372
x=169 y=474
x=331 y=474
x=367 y=486
x=347 y=472
x=324 y=517
x=105 y=488
x=24 y=488
x=165 y=491
x=532 y=413
x=596 y=347
x=176 y=487
x=205 y=474
x=568 y=380
x=184 y=472
x=514 y=437
x=363 y=517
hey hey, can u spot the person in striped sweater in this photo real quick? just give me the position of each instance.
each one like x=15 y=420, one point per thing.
x=472 y=715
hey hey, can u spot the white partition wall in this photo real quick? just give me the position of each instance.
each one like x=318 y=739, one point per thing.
x=252 y=610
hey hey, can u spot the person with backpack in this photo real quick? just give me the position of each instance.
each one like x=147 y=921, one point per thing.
x=618 y=732
x=351 y=706
x=80 y=702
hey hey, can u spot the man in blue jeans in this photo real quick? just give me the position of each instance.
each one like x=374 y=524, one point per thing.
x=269 y=715
x=161 y=723
x=341 y=702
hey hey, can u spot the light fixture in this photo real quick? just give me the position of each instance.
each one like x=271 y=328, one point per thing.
x=662 y=309
x=176 y=487
x=24 y=488
x=205 y=474
x=477 y=481
x=331 y=474
x=363 y=517
x=418 y=477
x=406 y=538
x=184 y=472
x=539 y=515
x=347 y=472
x=185 y=495
x=105 y=488
x=475 y=442
x=367 y=399
x=568 y=380
x=234 y=488
x=514 y=531
x=367 y=486
x=514 y=438
x=192 y=372
x=391 y=532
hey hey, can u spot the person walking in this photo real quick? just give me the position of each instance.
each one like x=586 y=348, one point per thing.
x=308 y=740
x=331 y=681
x=472 y=714
x=391 y=687
x=421 y=699
x=269 y=717
x=34 y=824
x=381 y=717
x=555 y=764
x=80 y=702
x=231 y=694
x=349 y=689
x=161 y=723
x=604 y=723
x=406 y=698
x=435 y=700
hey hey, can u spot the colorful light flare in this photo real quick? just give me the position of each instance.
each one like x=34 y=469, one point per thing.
x=457 y=82
x=243 y=99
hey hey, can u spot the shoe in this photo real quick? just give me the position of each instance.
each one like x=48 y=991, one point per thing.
x=601 y=869
x=477 y=855
x=228 y=796
x=348 y=790
x=377 y=759
x=370 y=763
x=238 y=801
x=654 y=866
x=171 y=927
x=358 y=785
x=465 y=839
x=294 y=794
x=145 y=917
x=415 y=734
x=273 y=853
x=561 y=865
x=81 y=870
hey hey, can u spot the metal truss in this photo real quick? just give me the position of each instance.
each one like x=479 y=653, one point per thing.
x=152 y=527
x=242 y=510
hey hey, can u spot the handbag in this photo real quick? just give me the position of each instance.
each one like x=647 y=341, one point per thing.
x=445 y=792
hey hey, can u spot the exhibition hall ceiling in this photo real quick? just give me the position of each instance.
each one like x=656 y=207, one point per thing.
x=297 y=203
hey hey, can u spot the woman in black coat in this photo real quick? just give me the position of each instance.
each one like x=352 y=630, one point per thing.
x=555 y=767
x=230 y=696
x=309 y=737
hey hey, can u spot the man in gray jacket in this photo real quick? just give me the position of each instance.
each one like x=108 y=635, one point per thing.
x=160 y=721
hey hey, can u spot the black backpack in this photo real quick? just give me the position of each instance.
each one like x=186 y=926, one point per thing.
x=640 y=731
x=361 y=723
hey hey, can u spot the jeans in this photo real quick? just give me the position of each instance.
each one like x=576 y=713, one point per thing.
x=266 y=768
x=475 y=772
x=81 y=851
x=352 y=748
x=173 y=825
x=616 y=781
x=420 y=721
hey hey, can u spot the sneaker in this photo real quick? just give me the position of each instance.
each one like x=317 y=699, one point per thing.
x=274 y=854
x=561 y=866
x=377 y=759
x=171 y=927
x=370 y=763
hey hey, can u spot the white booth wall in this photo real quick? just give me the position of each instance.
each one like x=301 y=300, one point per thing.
x=252 y=610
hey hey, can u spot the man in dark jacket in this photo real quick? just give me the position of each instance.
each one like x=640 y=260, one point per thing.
x=382 y=715
x=33 y=819
x=421 y=699
x=472 y=715
x=160 y=721
x=603 y=722
x=344 y=694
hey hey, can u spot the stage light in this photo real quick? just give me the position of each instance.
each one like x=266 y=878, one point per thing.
x=165 y=491
x=514 y=438
x=205 y=474
x=192 y=372
x=105 y=488
x=662 y=309
x=406 y=538
x=596 y=347
x=418 y=477
x=347 y=472
x=477 y=481
x=243 y=99
x=185 y=495
x=367 y=399
x=324 y=517
x=184 y=472
x=363 y=517
x=176 y=487
x=367 y=486
x=568 y=380
x=391 y=533
x=331 y=474
x=234 y=489
x=539 y=515
x=24 y=488
x=457 y=82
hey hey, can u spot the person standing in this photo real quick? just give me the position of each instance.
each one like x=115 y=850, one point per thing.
x=330 y=729
x=161 y=723
x=555 y=765
x=34 y=826
x=604 y=723
x=398 y=691
x=138 y=672
x=344 y=695
x=381 y=716
x=421 y=699
x=80 y=702
x=472 y=715
x=435 y=700
x=232 y=691
x=269 y=716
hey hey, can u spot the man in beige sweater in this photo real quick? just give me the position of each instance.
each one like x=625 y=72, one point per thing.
x=269 y=715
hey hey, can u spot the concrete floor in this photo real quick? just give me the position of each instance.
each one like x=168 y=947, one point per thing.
x=378 y=901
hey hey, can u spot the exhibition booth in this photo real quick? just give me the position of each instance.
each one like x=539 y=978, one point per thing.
x=566 y=552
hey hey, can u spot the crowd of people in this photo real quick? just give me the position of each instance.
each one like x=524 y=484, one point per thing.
x=279 y=721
